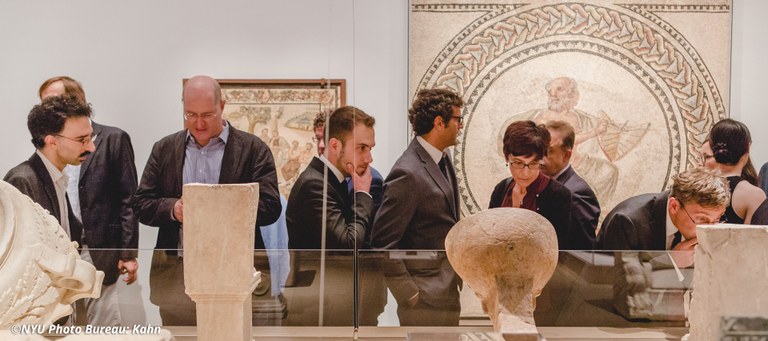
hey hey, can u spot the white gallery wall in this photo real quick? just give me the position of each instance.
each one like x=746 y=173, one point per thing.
x=749 y=72
x=132 y=56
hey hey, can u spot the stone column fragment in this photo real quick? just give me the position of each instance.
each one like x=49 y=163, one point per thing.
x=219 y=227
x=730 y=290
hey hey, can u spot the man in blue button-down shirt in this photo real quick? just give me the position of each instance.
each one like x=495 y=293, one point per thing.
x=208 y=150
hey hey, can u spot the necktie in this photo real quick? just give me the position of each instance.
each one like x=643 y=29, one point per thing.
x=676 y=240
x=345 y=191
x=444 y=167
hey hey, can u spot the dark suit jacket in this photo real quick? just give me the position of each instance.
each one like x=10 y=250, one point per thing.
x=106 y=186
x=246 y=159
x=553 y=203
x=32 y=178
x=585 y=210
x=346 y=221
x=638 y=223
x=419 y=208
x=377 y=192
x=762 y=177
x=760 y=217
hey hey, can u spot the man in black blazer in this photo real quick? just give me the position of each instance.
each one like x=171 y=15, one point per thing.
x=348 y=154
x=100 y=191
x=667 y=220
x=347 y=216
x=585 y=208
x=377 y=181
x=660 y=221
x=61 y=133
x=208 y=150
x=420 y=206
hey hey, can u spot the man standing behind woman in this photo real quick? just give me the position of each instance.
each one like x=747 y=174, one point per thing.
x=730 y=142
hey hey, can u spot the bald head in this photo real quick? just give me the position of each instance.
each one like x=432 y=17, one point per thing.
x=201 y=86
x=203 y=108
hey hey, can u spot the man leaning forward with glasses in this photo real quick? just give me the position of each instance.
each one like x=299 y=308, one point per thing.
x=61 y=132
x=667 y=220
x=209 y=150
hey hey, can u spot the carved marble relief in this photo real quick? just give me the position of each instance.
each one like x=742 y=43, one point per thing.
x=41 y=273
x=642 y=82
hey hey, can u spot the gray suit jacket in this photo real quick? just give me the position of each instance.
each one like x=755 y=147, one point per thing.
x=418 y=209
x=346 y=221
x=585 y=211
x=246 y=159
x=638 y=223
x=32 y=178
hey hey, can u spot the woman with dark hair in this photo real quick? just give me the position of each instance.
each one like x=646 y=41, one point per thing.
x=708 y=161
x=525 y=144
x=730 y=141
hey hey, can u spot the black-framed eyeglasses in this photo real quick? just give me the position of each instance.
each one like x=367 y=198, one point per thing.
x=703 y=222
x=459 y=119
x=195 y=117
x=82 y=140
x=517 y=164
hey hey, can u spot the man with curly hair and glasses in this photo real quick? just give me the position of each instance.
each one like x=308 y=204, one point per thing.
x=61 y=133
x=420 y=205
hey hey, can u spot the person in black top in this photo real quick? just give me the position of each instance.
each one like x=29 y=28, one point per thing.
x=730 y=141
x=525 y=144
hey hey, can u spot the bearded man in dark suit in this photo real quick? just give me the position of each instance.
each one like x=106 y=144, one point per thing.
x=348 y=154
x=61 y=133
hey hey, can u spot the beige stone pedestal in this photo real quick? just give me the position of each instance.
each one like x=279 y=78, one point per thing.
x=730 y=283
x=219 y=227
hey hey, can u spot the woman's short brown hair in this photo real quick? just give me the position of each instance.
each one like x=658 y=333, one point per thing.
x=525 y=138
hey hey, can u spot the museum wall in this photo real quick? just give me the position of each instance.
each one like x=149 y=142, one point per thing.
x=748 y=73
x=132 y=57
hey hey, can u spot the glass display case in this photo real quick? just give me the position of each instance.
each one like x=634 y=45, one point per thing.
x=340 y=293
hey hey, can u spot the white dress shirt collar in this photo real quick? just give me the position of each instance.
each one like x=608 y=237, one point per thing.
x=671 y=229
x=434 y=153
x=333 y=168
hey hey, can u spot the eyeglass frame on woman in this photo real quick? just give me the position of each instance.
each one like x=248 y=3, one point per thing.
x=522 y=165
x=83 y=140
